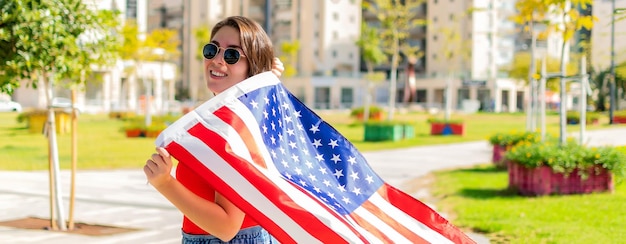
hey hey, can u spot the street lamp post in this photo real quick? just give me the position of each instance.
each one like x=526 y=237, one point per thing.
x=612 y=92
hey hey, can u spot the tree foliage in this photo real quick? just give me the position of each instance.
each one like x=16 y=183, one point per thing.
x=397 y=20
x=289 y=57
x=59 y=39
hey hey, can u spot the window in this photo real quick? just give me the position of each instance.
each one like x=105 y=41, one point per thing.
x=347 y=96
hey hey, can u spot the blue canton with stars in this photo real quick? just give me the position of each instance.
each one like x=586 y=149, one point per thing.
x=309 y=152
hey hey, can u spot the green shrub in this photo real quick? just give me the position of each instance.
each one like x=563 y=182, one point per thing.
x=573 y=117
x=513 y=138
x=359 y=111
x=443 y=120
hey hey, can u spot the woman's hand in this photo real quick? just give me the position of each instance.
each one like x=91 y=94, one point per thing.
x=158 y=168
x=277 y=67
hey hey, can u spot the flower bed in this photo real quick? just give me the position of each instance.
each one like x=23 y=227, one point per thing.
x=503 y=141
x=549 y=168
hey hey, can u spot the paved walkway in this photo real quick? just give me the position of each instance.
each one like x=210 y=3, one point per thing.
x=122 y=198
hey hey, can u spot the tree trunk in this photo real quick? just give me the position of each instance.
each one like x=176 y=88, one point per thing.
x=54 y=156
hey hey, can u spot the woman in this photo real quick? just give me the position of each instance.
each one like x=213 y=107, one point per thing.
x=239 y=49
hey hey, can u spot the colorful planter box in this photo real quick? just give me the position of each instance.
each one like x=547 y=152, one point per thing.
x=440 y=128
x=497 y=156
x=543 y=181
x=385 y=132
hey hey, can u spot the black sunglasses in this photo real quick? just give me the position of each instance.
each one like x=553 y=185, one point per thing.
x=231 y=55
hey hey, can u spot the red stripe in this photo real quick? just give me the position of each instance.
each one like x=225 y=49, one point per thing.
x=399 y=227
x=370 y=228
x=226 y=115
x=270 y=190
x=423 y=214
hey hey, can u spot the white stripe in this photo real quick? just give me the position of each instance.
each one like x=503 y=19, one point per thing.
x=301 y=199
x=385 y=229
x=412 y=224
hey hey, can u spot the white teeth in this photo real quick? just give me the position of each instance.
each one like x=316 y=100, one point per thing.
x=217 y=73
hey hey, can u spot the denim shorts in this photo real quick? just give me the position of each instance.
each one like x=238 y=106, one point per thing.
x=249 y=235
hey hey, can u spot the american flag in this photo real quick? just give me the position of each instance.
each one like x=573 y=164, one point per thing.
x=293 y=173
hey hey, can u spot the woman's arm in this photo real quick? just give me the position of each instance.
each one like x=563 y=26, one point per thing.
x=220 y=218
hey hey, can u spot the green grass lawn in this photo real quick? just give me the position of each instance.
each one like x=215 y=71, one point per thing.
x=479 y=200
x=102 y=145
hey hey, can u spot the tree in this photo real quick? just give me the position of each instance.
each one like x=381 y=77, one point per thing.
x=160 y=45
x=202 y=34
x=397 y=19
x=289 y=57
x=372 y=54
x=53 y=42
x=571 y=21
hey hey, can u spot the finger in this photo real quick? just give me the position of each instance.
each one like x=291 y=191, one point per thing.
x=162 y=151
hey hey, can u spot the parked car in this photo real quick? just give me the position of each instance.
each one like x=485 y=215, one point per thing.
x=9 y=106
x=65 y=103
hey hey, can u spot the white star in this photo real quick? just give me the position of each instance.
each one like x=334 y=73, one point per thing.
x=292 y=145
x=303 y=183
x=317 y=189
x=288 y=176
x=341 y=188
x=338 y=173
x=369 y=179
x=273 y=154
x=308 y=164
x=317 y=143
x=346 y=200
x=291 y=132
x=267 y=100
x=354 y=175
x=333 y=143
x=312 y=177
x=282 y=150
x=295 y=158
x=285 y=164
x=352 y=160
x=327 y=183
x=280 y=137
x=305 y=151
x=335 y=158
x=314 y=128
x=254 y=104
x=264 y=129
x=273 y=140
x=274 y=112
x=297 y=114
x=273 y=125
x=322 y=170
x=265 y=114
x=287 y=119
x=319 y=157
x=285 y=105
x=300 y=127
x=356 y=191
x=331 y=195
x=298 y=171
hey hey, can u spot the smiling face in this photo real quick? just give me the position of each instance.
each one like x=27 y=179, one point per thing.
x=219 y=75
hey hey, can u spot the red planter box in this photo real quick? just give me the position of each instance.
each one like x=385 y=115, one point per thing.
x=619 y=119
x=498 y=156
x=447 y=128
x=543 y=181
